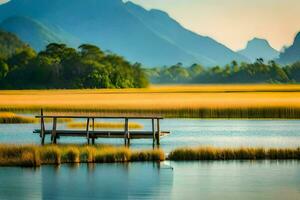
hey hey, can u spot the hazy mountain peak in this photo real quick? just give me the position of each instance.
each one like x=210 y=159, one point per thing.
x=258 y=41
x=159 y=12
x=291 y=54
x=259 y=48
x=297 y=38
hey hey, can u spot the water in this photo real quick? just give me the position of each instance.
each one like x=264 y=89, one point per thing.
x=191 y=180
x=169 y=180
x=187 y=132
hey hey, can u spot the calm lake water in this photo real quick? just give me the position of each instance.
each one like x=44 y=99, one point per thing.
x=191 y=180
x=169 y=180
x=187 y=132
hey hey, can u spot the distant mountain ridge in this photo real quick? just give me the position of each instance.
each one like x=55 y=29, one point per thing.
x=291 y=54
x=9 y=44
x=152 y=37
x=259 y=48
x=35 y=33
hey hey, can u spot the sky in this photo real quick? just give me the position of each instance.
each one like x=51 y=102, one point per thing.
x=234 y=22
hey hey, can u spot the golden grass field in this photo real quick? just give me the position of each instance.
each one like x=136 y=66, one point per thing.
x=108 y=125
x=206 y=101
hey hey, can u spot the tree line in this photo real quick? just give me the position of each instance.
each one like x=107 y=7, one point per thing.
x=60 y=66
x=257 y=72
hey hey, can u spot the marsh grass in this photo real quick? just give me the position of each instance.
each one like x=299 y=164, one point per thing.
x=12 y=155
x=34 y=156
x=108 y=125
x=49 y=154
x=213 y=153
x=110 y=155
x=148 y=155
x=214 y=101
x=12 y=118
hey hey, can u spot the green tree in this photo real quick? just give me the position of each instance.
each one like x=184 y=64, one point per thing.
x=3 y=69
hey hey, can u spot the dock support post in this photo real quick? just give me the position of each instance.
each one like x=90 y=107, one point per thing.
x=54 y=138
x=93 y=139
x=42 y=134
x=87 y=130
x=153 y=132
x=126 y=135
x=158 y=133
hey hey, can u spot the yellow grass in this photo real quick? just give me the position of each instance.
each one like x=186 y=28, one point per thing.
x=34 y=156
x=224 y=101
x=12 y=118
x=108 y=125
x=242 y=153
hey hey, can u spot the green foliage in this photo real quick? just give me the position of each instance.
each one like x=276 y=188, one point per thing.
x=257 y=72
x=60 y=66
x=3 y=69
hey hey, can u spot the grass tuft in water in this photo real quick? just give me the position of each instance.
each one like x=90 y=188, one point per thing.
x=12 y=155
x=50 y=154
x=148 y=155
x=213 y=153
x=33 y=155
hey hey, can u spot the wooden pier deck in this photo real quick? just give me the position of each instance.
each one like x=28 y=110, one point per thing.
x=91 y=134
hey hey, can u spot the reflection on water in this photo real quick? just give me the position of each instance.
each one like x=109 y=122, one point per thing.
x=187 y=180
x=187 y=132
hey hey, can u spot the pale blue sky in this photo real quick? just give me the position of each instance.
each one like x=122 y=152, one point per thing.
x=234 y=22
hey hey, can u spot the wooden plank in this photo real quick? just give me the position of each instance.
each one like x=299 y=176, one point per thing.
x=83 y=133
x=105 y=134
x=98 y=117
x=54 y=138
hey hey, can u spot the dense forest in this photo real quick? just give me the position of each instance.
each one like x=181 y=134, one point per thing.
x=59 y=66
x=257 y=72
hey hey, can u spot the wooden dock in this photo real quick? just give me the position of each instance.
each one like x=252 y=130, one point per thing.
x=91 y=134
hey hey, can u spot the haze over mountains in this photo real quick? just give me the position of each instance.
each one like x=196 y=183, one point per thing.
x=150 y=37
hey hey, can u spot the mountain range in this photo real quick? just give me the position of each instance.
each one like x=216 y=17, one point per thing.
x=150 y=37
